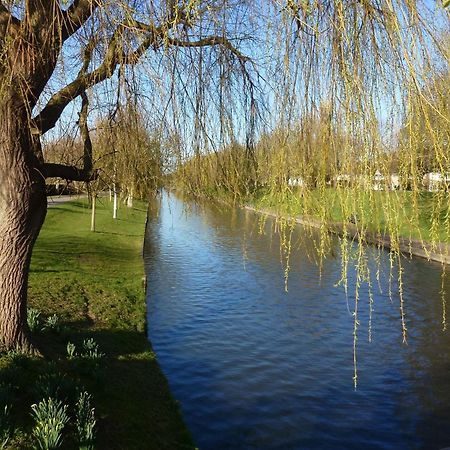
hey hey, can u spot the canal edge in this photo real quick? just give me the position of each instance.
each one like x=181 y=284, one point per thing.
x=409 y=247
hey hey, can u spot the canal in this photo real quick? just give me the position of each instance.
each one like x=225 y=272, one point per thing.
x=256 y=367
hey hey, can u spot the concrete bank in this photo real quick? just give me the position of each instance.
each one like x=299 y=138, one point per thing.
x=409 y=247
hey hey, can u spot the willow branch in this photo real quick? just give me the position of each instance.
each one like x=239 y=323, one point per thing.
x=73 y=173
x=6 y=15
x=84 y=131
x=49 y=115
x=208 y=42
x=6 y=19
x=42 y=15
x=76 y=16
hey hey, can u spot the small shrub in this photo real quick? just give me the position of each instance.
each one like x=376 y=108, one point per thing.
x=50 y=418
x=85 y=422
x=52 y=324
x=34 y=320
x=87 y=361
x=91 y=349
x=71 y=350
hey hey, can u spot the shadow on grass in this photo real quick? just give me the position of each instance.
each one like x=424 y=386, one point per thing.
x=60 y=255
x=119 y=234
x=48 y=271
x=67 y=207
x=133 y=404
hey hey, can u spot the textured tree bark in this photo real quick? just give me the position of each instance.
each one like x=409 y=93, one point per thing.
x=23 y=207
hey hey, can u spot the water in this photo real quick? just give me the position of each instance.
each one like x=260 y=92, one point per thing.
x=255 y=367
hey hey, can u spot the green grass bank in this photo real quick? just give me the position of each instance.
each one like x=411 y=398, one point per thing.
x=425 y=216
x=92 y=281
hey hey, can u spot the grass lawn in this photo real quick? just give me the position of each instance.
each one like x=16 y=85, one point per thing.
x=93 y=282
x=424 y=217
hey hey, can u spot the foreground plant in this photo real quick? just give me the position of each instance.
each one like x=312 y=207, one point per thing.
x=71 y=350
x=50 y=419
x=52 y=323
x=5 y=426
x=91 y=349
x=34 y=320
x=85 y=421
x=87 y=360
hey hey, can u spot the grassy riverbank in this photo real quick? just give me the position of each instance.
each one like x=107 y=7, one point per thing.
x=93 y=283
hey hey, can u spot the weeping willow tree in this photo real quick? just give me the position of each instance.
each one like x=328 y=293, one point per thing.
x=52 y=53
x=249 y=94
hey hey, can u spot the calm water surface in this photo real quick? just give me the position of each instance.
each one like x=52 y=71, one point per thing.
x=254 y=367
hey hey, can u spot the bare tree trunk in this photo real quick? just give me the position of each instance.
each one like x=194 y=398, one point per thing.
x=115 y=203
x=94 y=198
x=130 y=198
x=23 y=206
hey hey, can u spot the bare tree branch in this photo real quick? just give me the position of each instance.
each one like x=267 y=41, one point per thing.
x=51 y=170
x=84 y=131
x=6 y=18
x=76 y=16
x=155 y=33
x=72 y=172
x=41 y=14
x=208 y=42
x=48 y=117
x=114 y=56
